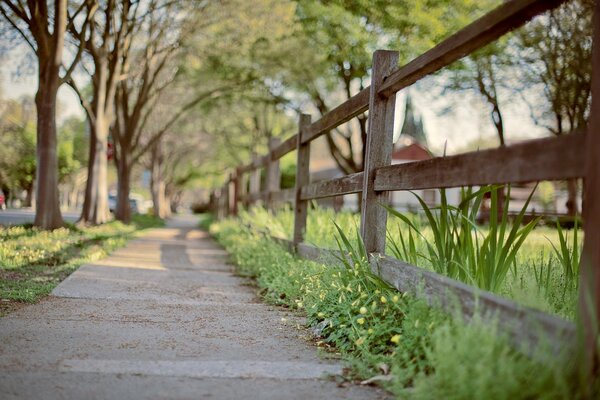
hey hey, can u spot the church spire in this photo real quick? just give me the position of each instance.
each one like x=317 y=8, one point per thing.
x=413 y=123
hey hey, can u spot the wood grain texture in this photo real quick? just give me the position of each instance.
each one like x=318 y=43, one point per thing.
x=352 y=107
x=302 y=179
x=589 y=292
x=284 y=148
x=373 y=218
x=254 y=185
x=506 y=17
x=544 y=159
x=335 y=187
x=237 y=191
x=282 y=196
x=524 y=325
x=273 y=172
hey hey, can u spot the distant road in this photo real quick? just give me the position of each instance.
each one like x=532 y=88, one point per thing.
x=18 y=217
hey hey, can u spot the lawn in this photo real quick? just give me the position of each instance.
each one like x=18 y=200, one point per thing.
x=33 y=262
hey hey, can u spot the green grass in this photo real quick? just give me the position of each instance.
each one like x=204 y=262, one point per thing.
x=33 y=261
x=535 y=275
x=399 y=341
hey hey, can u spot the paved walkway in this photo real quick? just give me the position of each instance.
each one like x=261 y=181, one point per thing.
x=162 y=318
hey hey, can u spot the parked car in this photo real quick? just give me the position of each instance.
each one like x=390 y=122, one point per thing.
x=2 y=201
x=112 y=202
x=137 y=203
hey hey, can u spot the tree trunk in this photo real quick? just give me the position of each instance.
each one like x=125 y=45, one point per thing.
x=95 y=205
x=47 y=214
x=89 y=197
x=100 y=213
x=28 y=195
x=95 y=209
x=572 y=208
x=157 y=184
x=123 y=211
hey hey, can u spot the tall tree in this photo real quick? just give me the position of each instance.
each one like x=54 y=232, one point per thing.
x=106 y=45
x=149 y=69
x=42 y=26
x=346 y=32
x=557 y=53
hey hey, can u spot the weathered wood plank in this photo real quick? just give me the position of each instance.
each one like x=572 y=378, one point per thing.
x=282 y=196
x=352 y=107
x=524 y=325
x=260 y=162
x=284 y=148
x=254 y=185
x=506 y=17
x=373 y=217
x=589 y=287
x=335 y=187
x=544 y=159
x=237 y=191
x=273 y=172
x=302 y=179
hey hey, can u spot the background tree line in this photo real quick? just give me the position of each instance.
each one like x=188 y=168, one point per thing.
x=186 y=89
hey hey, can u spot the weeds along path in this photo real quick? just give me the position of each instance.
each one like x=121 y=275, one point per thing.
x=164 y=317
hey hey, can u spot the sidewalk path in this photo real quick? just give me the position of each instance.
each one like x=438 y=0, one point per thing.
x=163 y=318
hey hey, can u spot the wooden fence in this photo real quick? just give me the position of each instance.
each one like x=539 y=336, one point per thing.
x=558 y=158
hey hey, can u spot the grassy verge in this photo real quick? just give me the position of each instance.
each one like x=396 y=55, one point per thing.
x=536 y=277
x=33 y=262
x=394 y=339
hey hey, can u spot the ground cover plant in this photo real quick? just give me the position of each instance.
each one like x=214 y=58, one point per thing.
x=34 y=261
x=391 y=338
x=533 y=264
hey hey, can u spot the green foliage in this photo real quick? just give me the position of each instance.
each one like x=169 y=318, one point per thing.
x=473 y=361
x=526 y=271
x=569 y=255
x=17 y=144
x=412 y=349
x=34 y=261
x=462 y=250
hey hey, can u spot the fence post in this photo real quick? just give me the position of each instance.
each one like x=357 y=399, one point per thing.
x=254 y=181
x=236 y=180
x=211 y=202
x=273 y=174
x=302 y=179
x=589 y=287
x=378 y=153
x=225 y=195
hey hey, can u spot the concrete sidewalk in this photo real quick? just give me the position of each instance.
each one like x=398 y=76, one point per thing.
x=163 y=318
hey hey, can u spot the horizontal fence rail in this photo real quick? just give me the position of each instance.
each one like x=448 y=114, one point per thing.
x=335 y=187
x=536 y=160
x=575 y=155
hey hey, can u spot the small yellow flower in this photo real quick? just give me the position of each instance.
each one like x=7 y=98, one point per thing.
x=359 y=341
x=363 y=310
x=395 y=339
x=360 y=321
x=320 y=315
x=383 y=300
x=395 y=299
x=299 y=304
x=370 y=331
